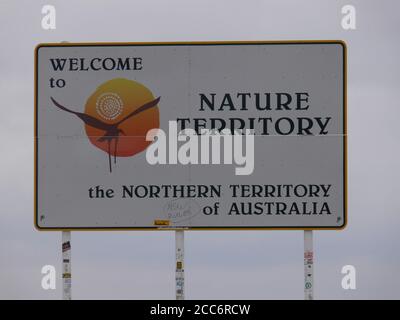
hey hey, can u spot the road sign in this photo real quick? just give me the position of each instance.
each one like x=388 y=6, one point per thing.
x=196 y=135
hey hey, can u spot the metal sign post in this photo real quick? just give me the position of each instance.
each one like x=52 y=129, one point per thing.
x=66 y=256
x=308 y=265
x=66 y=273
x=180 y=271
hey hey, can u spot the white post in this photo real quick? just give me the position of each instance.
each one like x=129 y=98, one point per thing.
x=66 y=270
x=180 y=271
x=66 y=256
x=308 y=265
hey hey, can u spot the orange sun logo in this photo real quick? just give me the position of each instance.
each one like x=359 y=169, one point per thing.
x=118 y=116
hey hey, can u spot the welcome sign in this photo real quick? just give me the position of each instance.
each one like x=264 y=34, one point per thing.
x=203 y=135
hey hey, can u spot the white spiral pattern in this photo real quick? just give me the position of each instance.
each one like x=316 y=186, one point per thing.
x=109 y=105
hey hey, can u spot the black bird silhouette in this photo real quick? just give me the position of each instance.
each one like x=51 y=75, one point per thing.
x=112 y=131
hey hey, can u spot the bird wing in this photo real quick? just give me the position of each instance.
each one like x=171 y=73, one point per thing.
x=89 y=120
x=144 y=107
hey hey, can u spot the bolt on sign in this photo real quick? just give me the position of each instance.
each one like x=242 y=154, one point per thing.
x=196 y=135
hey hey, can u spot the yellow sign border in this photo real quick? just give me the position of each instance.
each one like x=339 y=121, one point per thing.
x=86 y=44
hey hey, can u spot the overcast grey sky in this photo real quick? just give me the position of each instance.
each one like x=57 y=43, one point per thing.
x=225 y=265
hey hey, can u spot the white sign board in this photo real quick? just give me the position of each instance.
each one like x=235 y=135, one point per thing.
x=203 y=135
